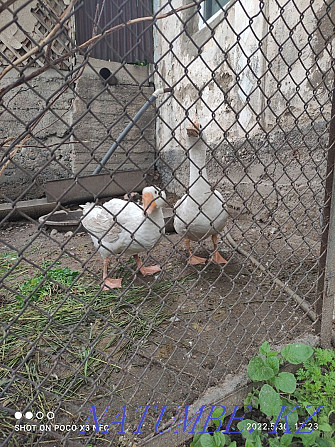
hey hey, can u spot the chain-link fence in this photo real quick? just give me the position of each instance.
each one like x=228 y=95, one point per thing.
x=155 y=299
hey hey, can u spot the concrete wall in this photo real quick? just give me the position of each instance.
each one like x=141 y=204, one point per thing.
x=43 y=157
x=88 y=113
x=101 y=114
x=263 y=106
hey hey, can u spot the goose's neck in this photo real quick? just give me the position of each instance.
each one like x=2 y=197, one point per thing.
x=198 y=171
x=155 y=214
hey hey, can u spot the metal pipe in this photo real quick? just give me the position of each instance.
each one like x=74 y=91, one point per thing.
x=138 y=115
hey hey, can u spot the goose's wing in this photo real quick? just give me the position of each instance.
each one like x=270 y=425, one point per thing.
x=128 y=215
x=179 y=202
x=179 y=218
x=101 y=224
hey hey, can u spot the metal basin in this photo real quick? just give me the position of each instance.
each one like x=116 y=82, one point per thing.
x=64 y=221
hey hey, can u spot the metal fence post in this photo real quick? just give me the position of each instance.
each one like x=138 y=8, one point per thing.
x=326 y=283
x=329 y=288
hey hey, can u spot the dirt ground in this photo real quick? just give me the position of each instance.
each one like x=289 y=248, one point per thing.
x=187 y=327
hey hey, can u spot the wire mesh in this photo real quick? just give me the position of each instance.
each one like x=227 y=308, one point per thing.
x=237 y=147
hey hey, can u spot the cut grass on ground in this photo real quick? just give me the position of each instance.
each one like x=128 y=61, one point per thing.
x=62 y=333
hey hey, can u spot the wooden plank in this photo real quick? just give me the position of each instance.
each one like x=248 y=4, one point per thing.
x=23 y=208
x=91 y=187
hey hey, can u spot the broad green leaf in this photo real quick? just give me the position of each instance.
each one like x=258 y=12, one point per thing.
x=195 y=441
x=308 y=439
x=232 y=444
x=323 y=418
x=256 y=443
x=249 y=443
x=286 y=440
x=219 y=439
x=269 y=401
x=285 y=382
x=323 y=442
x=274 y=442
x=217 y=414
x=292 y=419
x=273 y=363
x=252 y=399
x=264 y=348
x=296 y=353
x=258 y=370
x=325 y=427
x=311 y=408
x=206 y=440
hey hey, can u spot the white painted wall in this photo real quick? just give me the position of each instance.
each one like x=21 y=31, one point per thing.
x=274 y=78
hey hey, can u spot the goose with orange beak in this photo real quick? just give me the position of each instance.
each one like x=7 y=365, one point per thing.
x=200 y=213
x=120 y=227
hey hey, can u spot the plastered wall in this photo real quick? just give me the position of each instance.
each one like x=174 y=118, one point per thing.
x=259 y=84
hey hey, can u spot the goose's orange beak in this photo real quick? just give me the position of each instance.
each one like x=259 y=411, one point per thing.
x=148 y=202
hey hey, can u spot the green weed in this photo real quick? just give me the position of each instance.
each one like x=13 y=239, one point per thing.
x=296 y=392
x=284 y=396
x=44 y=285
x=141 y=63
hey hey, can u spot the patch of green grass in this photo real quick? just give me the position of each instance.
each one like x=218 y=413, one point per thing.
x=65 y=333
x=317 y=378
x=13 y=270
x=9 y=261
x=44 y=285
x=70 y=315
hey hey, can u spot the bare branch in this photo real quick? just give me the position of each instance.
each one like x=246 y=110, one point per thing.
x=138 y=20
x=12 y=153
x=25 y=78
x=48 y=145
x=64 y=17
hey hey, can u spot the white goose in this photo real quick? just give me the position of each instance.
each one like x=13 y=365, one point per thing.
x=200 y=213
x=122 y=227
